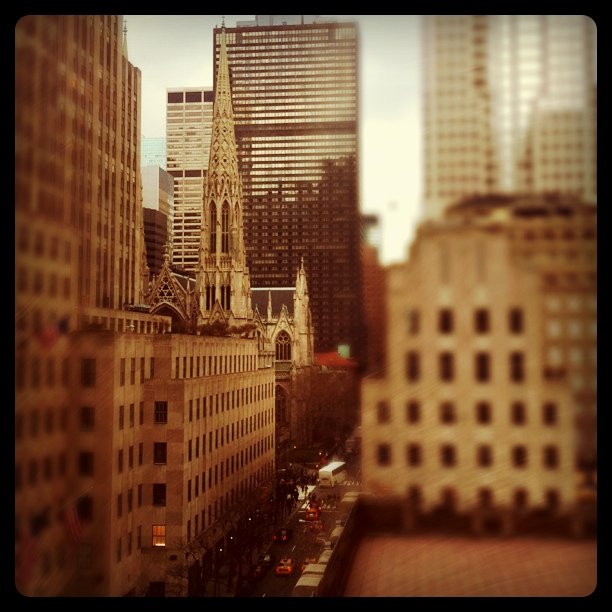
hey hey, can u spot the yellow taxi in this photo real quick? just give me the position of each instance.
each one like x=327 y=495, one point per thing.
x=284 y=567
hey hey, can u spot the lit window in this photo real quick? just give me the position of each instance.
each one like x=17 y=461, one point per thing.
x=159 y=535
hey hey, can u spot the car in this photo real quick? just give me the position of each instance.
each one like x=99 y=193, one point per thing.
x=264 y=563
x=284 y=567
x=313 y=512
x=282 y=536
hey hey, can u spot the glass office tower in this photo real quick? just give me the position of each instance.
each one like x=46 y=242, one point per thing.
x=295 y=98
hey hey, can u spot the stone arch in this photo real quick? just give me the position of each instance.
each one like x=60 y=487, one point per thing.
x=179 y=325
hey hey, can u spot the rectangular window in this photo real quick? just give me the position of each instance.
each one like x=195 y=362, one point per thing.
x=482 y=367
x=133 y=371
x=551 y=457
x=129 y=543
x=141 y=413
x=517 y=367
x=414 y=454
x=189 y=447
x=197 y=486
x=142 y=369
x=152 y=368
x=383 y=454
x=549 y=413
x=159 y=535
x=519 y=456
x=121 y=417
x=383 y=412
x=519 y=414
x=131 y=415
x=140 y=453
x=448 y=455
x=413 y=411
x=483 y=412
x=413 y=322
x=139 y=537
x=447 y=412
x=447 y=366
x=119 y=505
x=445 y=321
x=515 y=320
x=88 y=372
x=120 y=461
x=481 y=321
x=161 y=412
x=190 y=410
x=87 y=418
x=130 y=457
x=189 y=490
x=484 y=456
x=139 y=495
x=159 y=494
x=412 y=366
x=86 y=461
x=122 y=371
x=159 y=453
x=130 y=500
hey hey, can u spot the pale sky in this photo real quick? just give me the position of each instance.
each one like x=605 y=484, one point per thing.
x=176 y=51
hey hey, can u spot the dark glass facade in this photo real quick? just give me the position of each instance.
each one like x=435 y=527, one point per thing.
x=295 y=99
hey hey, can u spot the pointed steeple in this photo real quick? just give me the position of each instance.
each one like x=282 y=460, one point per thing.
x=223 y=274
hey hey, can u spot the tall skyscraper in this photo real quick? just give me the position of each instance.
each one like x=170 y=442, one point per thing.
x=295 y=95
x=188 y=127
x=153 y=151
x=509 y=106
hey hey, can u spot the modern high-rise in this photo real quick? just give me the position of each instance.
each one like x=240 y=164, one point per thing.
x=510 y=106
x=153 y=151
x=188 y=128
x=158 y=211
x=295 y=97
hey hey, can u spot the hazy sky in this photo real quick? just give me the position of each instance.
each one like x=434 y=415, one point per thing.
x=176 y=51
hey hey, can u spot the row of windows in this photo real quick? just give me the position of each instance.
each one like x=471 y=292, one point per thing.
x=448 y=455
x=52 y=249
x=481 y=321
x=483 y=412
x=133 y=370
x=217 y=364
x=482 y=366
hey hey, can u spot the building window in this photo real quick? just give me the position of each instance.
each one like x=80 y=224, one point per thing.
x=140 y=452
x=447 y=412
x=159 y=494
x=213 y=229
x=88 y=372
x=447 y=369
x=159 y=453
x=517 y=367
x=519 y=414
x=86 y=462
x=161 y=412
x=413 y=412
x=141 y=413
x=86 y=418
x=481 y=321
x=519 y=456
x=189 y=490
x=414 y=322
x=552 y=498
x=121 y=417
x=159 y=535
x=130 y=457
x=549 y=413
x=412 y=366
x=520 y=498
x=119 y=505
x=120 y=461
x=483 y=412
x=448 y=455
x=484 y=456
x=515 y=320
x=445 y=321
x=133 y=371
x=551 y=457
x=414 y=454
x=283 y=346
x=383 y=413
x=131 y=415
x=139 y=495
x=383 y=454
x=482 y=367
x=485 y=497
x=122 y=371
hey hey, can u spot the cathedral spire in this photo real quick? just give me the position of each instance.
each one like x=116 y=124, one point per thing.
x=223 y=274
x=124 y=47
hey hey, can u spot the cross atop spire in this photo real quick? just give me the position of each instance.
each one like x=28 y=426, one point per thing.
x=223 y=21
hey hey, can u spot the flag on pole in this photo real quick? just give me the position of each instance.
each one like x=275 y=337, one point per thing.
x=49 y=336
x=73 y=523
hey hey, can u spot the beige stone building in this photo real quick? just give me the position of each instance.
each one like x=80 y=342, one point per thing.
x=471 y=412
x=132 y=442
